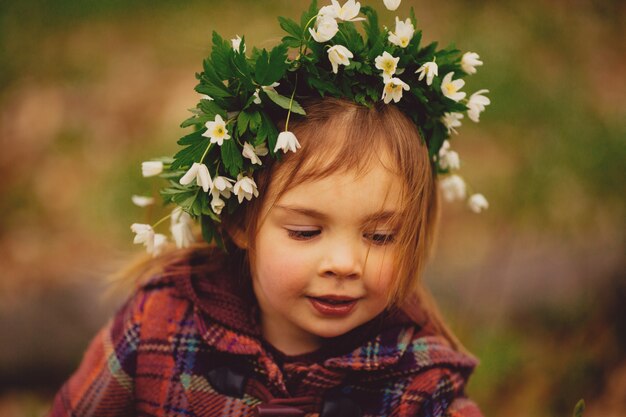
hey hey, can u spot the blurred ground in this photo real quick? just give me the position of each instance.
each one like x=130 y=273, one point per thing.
x=534 y=286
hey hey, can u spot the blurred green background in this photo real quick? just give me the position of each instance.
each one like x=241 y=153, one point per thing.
x=535 y=286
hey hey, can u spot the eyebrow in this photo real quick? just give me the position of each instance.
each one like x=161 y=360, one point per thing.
x=379 y=216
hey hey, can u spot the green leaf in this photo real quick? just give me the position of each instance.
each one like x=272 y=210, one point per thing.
x=231 y=156
x=242 y=122
x=183 y=196
x=580 y=407
x=211 y=109
x=221 y=55
x=242 y=69
x=291 y=42
x=255 y=121
x=284 y=102
x=412 y=16
x=323 y=86
x=270 y=67
x=210 y=232
x=308 y=14
x=213 y=90
x=195 y=120
x=290 y=27
x=439 y=134
x=192 y=138
x=267 y=131
x=417 y=39
x=187 y=156
x=372 y=29
x=427 y=53
x=211 y=83
x=353 y=40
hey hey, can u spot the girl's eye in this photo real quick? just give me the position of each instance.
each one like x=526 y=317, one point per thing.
x=381 y=238
x=302 y=234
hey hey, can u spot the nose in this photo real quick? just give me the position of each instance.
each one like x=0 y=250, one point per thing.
x=342 y=259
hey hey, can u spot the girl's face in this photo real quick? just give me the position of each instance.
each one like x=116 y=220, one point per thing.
x=324 y=257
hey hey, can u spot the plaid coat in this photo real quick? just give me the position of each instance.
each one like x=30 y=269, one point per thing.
x=189 y=345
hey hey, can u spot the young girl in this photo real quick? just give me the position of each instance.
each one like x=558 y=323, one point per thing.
x=308 y=299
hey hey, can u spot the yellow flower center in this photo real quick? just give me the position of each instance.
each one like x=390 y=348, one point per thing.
x=404 y=41
x=450 y=88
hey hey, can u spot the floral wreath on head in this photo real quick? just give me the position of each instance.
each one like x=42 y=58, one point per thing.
x=233 y=132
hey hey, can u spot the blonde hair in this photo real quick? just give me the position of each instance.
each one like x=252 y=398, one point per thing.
x=338 y=136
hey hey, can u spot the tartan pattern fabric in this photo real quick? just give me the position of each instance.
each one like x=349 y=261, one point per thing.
x=154 y=356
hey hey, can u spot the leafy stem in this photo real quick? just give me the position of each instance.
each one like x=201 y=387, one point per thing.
x=154 y=226
x=206 y=151
x=293 y=93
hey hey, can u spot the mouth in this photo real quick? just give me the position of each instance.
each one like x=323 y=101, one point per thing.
x=333 y=305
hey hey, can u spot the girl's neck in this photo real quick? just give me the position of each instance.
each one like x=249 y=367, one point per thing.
x=286 y=342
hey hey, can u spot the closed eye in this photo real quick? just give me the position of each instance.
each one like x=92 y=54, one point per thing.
x=303 y=234
x=381 y=238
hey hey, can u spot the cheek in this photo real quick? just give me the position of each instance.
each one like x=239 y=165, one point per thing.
x=279 y=272
x=381 y=272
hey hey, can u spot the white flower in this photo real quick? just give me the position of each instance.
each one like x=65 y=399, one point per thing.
x=339 y=55
x=327 y=11
x=222 y=185
x=451 y=88
x=257 y=99
x=326 y=28
x=392 y=4
x=287 y=141
x=151 y=168
x=200 y=173
x=348 y=12
x=180 y=216
x=403 y=34
x=393 y=89
x=143 y=234
x=245 y=187
x=387 y=63
x=271 y=87
x=206 y=97
x=237 y=43
x=448 y=159
x=217 y=204
x=470 y=61
x=160 y=241
x=142 y=201
x=452 y=120
x=477 y=203
x=216 y=130
x=253 y=152
x=453 y=188
x=180 y=227
x=476 y=104
x=428 y=70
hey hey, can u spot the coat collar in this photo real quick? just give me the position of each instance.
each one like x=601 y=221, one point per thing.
x=227 y=316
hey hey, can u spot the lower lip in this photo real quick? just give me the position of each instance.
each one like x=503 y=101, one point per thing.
x=332 y=309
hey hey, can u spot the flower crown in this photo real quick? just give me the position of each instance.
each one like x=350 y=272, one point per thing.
x=233 y=132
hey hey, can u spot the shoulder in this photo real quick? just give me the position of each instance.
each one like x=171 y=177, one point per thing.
x=437 y=377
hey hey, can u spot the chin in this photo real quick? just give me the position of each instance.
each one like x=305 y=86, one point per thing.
x=330 y=330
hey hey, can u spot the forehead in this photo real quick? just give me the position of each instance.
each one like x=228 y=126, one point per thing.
x=349 y=195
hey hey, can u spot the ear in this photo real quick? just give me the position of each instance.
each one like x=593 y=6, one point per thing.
x=239 y=236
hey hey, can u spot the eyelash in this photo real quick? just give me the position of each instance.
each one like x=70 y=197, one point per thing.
x=378 y=239
x=303 y=234
x=381 y=239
